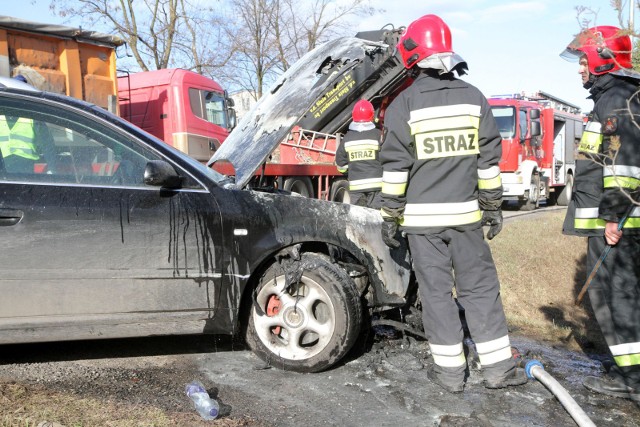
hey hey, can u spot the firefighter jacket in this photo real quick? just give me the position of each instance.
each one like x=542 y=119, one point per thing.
x=17 y=138
x=440 y=156
x=358 y=154
x=608 y=161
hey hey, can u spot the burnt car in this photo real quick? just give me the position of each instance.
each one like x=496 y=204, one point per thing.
x=109 y=232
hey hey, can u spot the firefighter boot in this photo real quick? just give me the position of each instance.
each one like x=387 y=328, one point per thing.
x=448 y=384
x=612 y=385
x=513 y=377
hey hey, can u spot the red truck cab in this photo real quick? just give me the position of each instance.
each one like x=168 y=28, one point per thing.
x=514 y=119
x=185 y=109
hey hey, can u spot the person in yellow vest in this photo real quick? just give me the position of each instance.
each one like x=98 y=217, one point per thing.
x=19 y=143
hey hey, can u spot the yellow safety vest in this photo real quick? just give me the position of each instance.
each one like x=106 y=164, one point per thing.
x=18 y=140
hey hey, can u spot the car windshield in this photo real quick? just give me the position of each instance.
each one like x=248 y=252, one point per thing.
x=216 y=176
x=506 y=120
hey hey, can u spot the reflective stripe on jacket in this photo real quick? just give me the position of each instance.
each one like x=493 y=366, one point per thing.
x=440 y=156
x=18 y=140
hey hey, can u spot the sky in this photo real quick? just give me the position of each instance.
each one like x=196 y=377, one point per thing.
x=510 y=46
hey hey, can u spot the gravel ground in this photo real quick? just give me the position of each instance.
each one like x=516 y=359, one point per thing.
x=384 y=386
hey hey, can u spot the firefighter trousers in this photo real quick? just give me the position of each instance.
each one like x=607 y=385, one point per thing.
x=615 y=297
x=369 y=199
x=461 y=259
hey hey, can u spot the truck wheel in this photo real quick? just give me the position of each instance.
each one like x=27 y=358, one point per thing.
x=532 y=200
x=340 y=191
x=565 y=195
x=306 y=314
x=300 y=185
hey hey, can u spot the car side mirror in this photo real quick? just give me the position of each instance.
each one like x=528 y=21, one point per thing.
x=534 y=114
x=161 y=174
x=232 y=118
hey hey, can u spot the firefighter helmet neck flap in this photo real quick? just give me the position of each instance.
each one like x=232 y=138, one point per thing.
x=426 y=43
x=606 y=48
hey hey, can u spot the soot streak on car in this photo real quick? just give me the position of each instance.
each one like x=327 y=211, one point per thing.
x=289 y=102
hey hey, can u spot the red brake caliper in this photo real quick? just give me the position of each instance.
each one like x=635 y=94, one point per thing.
x=273 y=307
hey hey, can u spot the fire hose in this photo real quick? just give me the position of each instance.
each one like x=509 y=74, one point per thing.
x=534 y=369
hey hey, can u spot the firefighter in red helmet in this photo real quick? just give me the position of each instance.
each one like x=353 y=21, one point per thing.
x=604 y=205
x=357 y=155
x=441 y=183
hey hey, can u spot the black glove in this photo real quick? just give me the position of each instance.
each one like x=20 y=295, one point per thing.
x=494 y=220
x=389 y=230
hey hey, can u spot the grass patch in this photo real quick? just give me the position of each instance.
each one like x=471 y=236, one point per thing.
x=23 y=405
x=541 y=273
x=29 y=405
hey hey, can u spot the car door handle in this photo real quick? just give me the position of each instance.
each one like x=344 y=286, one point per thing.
x=10 y=216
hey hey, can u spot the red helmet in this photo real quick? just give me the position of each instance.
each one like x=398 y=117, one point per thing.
x=362 y=111
x=606 y=48
x=424 y=37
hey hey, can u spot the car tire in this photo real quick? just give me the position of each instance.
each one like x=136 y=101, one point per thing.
x=565 y=195
x=300 y=185
x=340 y=191
x=309 y=324
x=532 y=196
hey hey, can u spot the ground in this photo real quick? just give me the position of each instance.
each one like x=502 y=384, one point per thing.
x=386 y=386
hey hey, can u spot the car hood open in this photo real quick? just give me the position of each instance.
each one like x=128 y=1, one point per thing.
x=299 y=89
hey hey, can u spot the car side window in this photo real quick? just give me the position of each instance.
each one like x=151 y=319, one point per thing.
x=43 y=144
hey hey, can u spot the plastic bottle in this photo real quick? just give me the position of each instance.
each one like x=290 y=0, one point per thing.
x=205 y=406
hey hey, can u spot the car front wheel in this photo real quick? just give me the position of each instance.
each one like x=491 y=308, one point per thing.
x=306 y=314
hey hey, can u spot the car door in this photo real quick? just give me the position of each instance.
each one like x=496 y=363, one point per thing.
x=89 y=250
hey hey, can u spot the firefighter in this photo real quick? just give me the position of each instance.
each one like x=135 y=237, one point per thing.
x=358 y=154
x=441 y=183
x=606 y=184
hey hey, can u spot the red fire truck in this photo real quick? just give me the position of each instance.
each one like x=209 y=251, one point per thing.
x=186 y=110
x=540 y=134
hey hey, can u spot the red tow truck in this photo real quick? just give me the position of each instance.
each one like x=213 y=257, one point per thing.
x=540 y=134
x=304 y=161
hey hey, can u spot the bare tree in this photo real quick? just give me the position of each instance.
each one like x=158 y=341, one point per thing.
x=306 y=25
x=250 y=44
x=159 y=33
x=267 y=36
x=245 y=48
